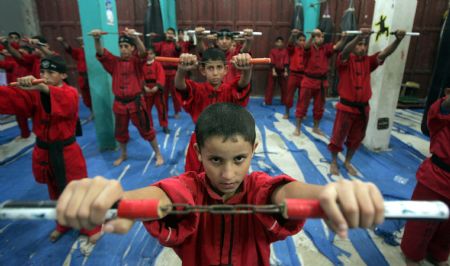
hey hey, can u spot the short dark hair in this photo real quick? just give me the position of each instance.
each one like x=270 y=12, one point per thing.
x=180 y=31
x=225 y=120
x=279 y=38
x=213 y=54
x=14 y=33
x=301 y=34
x=170 y=28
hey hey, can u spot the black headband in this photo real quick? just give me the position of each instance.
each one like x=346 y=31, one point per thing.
x=126 y=39
x=53 y=65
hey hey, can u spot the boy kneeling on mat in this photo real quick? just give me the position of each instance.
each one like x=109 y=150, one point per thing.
x=225 y=145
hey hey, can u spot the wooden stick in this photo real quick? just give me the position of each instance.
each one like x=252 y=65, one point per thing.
x=34 y=82
x=253 y=61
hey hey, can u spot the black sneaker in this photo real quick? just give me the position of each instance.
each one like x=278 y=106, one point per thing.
x=166 y=130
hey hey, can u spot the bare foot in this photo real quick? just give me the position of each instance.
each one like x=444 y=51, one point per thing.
x=334 y=169
x=93 y=238
x=119 y=160
x=176 y=115
x=296 y=132
x=285 y=116
x=318 y=131
x=350 y=169
x=55 y=235
x=159 y=160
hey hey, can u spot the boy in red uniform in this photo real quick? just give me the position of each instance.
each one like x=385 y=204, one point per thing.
x=78 y=55
x=354 y=68
x=169 y=48
x=154 y=85
x=197 y=96
x=430 y=239
x=129 y=102
x=185 y=46
x=295 y=49
x=53 y=106
x=226 y=145
x=279 y=65
x=13 y=71
x=223 y=40
x=314 y=83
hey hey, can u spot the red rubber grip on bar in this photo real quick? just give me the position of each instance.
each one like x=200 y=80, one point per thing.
x=303 y=209
x=253 y=61
x=34 y=82
x=138 y=209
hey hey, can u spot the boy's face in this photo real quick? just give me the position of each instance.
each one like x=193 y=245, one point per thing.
x=214 y=71
x=301 y=41
x=126 y=50
x=13 y=38
x=52 y=77
x=224 y=43
x=181 y=36
x=150 y=55
x=360 y=49
x=226 y=163
x=279 y=44
x=170 y=35
x=318 y=39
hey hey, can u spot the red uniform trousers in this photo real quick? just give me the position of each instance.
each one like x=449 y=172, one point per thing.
x=144 y=126
x=157 y=99
x=85 y=91
x=303 y=102
x=422 y=238
x=22 y=122
x=170 y=86
x=349 y=128
x=280 y=79
x=294 y=82
x=192 y=162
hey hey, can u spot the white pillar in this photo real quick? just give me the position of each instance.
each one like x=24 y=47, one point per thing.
x=387 y=79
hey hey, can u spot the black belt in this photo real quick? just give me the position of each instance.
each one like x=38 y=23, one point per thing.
x=322 y=78
x=144 y=120
x=56 y=154
x=440 y=163
x=360 y=105
x=170 y=67
x=150 y=81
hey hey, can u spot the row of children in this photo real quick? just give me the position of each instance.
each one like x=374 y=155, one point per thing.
x=224 y=169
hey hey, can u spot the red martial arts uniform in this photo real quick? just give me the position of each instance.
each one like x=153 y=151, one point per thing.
x=279 y=58
x=57 y=158
x=197 y=97
x=232 y=73
x=154 y=76
x=296 y=72
x=227 y=239
x=432 y=238
x=13 y=71
x=353 y=109
x=83 y=82
x=314 y=83
x=186 y=46
x=169 y=49
x=129 y=100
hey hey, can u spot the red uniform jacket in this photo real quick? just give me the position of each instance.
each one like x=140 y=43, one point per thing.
x=317 y=61
x=296 y=58
x=232 y=73
x=167 y=48
x=198 y=96
x=185 y=46
x=9 y=64
x=279 y=58
x=214 y=239
x=32 y=64
x=127 y=80
x=430 y=174
x=354 y=80
x=57 y=125
x=78 y=55
x=154 y=75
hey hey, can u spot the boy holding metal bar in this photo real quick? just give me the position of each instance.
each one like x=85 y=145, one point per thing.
x=226 y=142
